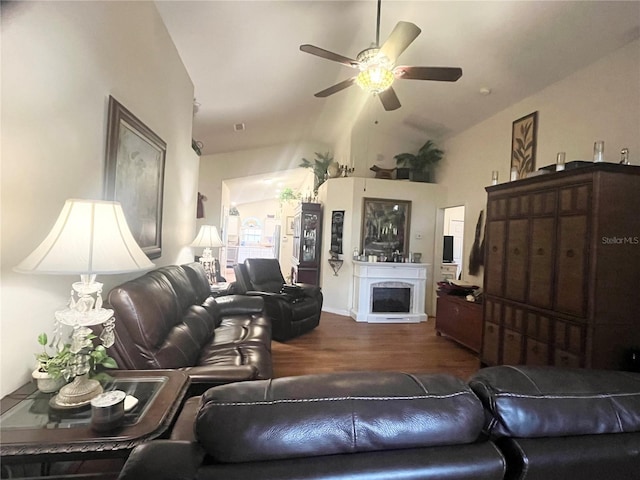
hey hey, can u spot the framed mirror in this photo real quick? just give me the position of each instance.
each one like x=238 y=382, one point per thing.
x=385 y=227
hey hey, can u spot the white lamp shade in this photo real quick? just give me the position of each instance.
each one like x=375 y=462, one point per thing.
x=89 y=237
x=207 y=237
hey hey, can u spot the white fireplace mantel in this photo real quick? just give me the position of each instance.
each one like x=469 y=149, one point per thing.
x=366 y=275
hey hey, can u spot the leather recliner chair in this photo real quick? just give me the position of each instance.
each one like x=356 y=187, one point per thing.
x=292 y=309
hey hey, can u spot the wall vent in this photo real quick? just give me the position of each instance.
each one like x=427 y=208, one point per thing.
x=238 y=127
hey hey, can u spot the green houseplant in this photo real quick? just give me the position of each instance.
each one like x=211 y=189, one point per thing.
x=49 y=371
x=288 y=194
x=421 y=164
x=54 y=370
x=319 y=167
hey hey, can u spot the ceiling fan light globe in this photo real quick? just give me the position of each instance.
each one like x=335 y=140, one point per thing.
x=375 y=79
x=376 y=73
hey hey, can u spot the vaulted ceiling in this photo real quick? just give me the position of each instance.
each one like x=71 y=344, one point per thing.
x=245 y=62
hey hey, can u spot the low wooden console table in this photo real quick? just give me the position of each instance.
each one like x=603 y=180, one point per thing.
x=33 y=432
x=460 y=320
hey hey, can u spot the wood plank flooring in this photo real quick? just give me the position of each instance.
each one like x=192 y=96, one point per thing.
x=341 y=344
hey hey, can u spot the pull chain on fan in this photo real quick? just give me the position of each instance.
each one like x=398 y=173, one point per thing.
x=377 y=65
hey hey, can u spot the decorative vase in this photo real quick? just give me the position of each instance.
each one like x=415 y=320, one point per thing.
x=46 y=383
x=333 y=170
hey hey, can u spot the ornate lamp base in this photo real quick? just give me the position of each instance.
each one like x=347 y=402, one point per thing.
x=77 y=393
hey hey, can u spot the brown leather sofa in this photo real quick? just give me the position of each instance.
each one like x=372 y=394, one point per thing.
x=333 y=426
x=556 y=424
x=167 y=319
x=292 y=309
x=505 y=423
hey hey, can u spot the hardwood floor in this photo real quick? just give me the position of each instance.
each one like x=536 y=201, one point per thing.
x=341 y=344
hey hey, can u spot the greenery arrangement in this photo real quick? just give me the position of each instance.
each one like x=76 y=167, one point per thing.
x=288 y=194
x=62 y=363
x=55 y=365
x=319 y=167
x=422 y=163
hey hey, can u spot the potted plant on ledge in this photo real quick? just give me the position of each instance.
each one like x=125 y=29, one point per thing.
x=319 y=167
x=421 y=165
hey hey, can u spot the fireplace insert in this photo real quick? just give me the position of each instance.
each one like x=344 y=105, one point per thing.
x=391 y=299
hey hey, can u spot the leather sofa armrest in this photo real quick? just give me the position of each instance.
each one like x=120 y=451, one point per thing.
x=240 y=305
x=256 y=293
x=220 y=374
x=163 y=459
x=280 y=297
x=309 y=289
x=183 y=426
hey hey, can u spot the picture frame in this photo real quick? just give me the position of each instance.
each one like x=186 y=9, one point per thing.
x=134 y=175
x=524 y=133
x=385 y=226
x=290 y=225
x=337 y=226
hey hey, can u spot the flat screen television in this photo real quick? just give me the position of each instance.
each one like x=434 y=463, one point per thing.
x=447 y=249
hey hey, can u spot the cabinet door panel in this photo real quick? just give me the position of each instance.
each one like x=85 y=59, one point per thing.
x=491 y=343
x=544 y=203
x=572 y=257
x=537 y=353
x=516 y=260
x=538 y=327
x=569 y=336
x=497 y=209
x=494 y=263
x=541 y=264
x=566 y=359
x=512 y=348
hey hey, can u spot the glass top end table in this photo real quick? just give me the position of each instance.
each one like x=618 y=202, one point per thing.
x=30 y=427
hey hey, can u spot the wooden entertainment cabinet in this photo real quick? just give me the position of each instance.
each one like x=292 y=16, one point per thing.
x=460 y=320
x=562 y=268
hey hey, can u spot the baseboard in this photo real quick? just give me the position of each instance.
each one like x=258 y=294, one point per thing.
x=336 y=311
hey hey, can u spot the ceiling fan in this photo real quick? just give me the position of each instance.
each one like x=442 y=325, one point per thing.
x=377 y=65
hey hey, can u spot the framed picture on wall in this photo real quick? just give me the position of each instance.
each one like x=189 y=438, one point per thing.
x=134 y=175
x=290 y=225
x=524 y=134
x=385 y=226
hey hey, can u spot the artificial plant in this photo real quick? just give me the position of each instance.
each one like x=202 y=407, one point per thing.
x=319 y=167
x=421 y=164
x=62 y=363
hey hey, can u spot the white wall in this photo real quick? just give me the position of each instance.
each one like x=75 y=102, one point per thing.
x=288 y=209
x=60 y=63
x=347 y=194
x=214 y=169
x=600 y=102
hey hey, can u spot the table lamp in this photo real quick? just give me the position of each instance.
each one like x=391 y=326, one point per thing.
x=208 y=238
x=90 y=237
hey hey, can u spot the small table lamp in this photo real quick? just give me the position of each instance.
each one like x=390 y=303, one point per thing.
x=208 y=238
x=90 y=237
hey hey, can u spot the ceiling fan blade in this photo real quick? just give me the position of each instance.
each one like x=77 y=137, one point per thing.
x=335 y=57
x=336 y=88
x=401 y=37
x=389 y=99
x=440 y=74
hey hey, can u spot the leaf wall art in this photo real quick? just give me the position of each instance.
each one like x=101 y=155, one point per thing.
x=523 y=144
